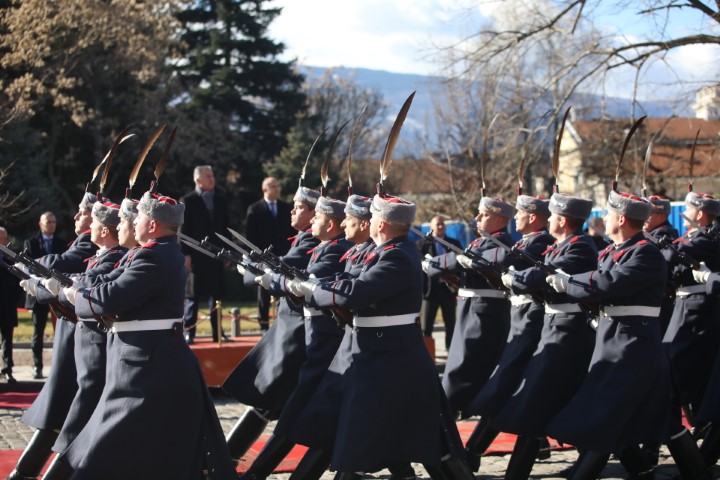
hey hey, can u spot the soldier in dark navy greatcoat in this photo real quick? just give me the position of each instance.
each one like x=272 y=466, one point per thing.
x=483 y=311
x=322 y=332
x=49 y=410
x=526 y=322
x=267 y=376
x=90 y=337
x=624 y=399
x=391 y=386
x=560 y=361
x=155 y=418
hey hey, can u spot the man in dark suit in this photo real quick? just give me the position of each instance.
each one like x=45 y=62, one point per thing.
x=43 y=243
x=437 y=293
x=10 y=294
x=206 y=212
x=268 y=223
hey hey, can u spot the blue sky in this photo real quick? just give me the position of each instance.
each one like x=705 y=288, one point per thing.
x=400 y=35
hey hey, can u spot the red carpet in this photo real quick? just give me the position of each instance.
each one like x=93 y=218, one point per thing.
x=17 y=399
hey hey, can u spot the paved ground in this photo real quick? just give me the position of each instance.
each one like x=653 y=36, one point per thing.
x=14 y=434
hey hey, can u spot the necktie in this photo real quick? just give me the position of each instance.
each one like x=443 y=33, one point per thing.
x=273 y=209
x=48 y=245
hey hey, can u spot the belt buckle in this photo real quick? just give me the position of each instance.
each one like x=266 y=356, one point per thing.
x=177 y=329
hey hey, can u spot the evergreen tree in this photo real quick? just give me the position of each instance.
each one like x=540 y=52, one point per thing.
x=230 y=65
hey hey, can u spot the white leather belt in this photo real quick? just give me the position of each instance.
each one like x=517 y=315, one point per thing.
x=516 y=300
x=386 y=320
x=563 y=308
x=630 y=310
x=483 y=292
x=144 y=325
x=684 y=291
x=311 y=312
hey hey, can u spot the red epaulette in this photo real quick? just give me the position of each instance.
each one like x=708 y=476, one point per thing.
x=347 y=254
x=574 y=239
x=389 y=247
x=622 y=252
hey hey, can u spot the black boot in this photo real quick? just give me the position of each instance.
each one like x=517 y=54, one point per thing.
x=480 y=440
x=544 y=452
x=275 y=450
x=523 y=458
x=651 y=452
x=35 y=455
x=347 y=476
x=636 y=464
x=435 y=472
x=312 y=465
x=456 y=469
x=58 y=470
x=589 y=465
x=710 y=447
x=687 y=457
x=245 y=432
x=402 y=471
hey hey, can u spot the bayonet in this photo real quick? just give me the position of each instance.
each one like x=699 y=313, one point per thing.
x=254 y=248
x=705 y=231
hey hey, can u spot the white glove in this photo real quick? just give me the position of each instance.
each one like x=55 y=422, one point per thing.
x=241 y=269
x=265 y=279
x=70 y=292
x=465 y=261
x=558 y=281
x=30 y=286
x=426 y=265
x=302 y=288
x=507 y=277
x=52 y=285
x=701 y=274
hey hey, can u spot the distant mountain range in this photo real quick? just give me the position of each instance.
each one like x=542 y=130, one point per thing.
x=395 y=88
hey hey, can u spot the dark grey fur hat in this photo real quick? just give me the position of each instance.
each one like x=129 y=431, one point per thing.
x=659 y=204
x=129 y=209
x=629 y=205
x=331 y=207
x=107 y=213
x=497 y=206
x=569 y=206
x=703 y=202
x=393 y=209
x=359 y=207
x=88 y=201
x=307 y=195
x=532 y=204
x=161 y=208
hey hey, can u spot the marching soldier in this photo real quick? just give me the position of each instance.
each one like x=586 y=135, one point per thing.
x=316 y=425
x=155 y=419
x=560 y=361
x=693 y=334
x=49 y=410
x=90 y=337
x=322 y=332
x=391 y=370
x=267 y=376
x=709 y=411
x=526 y=322
x=483 y=314
x=624 y=398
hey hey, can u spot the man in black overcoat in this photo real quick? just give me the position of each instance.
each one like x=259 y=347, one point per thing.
x=42 y=243
x=10 y=295
x=268 y=223
x=206 y=212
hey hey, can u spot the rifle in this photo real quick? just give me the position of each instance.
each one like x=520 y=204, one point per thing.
x=277 y=265
x=590 y=308
x=491 y=270
x=710 y=233
x=665 y=243
x=58 y=308
x=213 y=251
x=37 y=268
